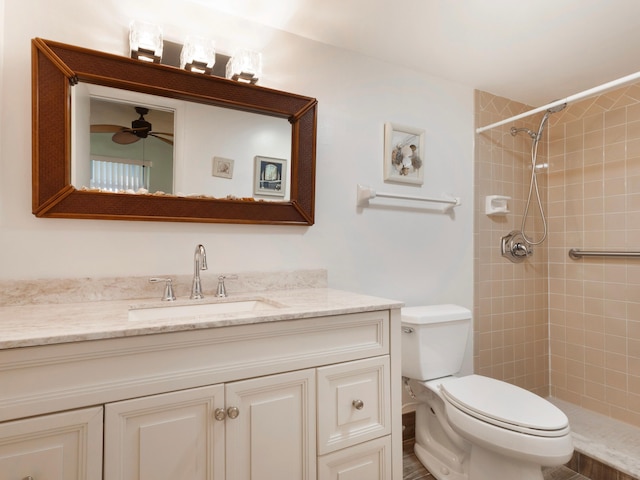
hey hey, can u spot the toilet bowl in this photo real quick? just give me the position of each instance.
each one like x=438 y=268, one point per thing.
x=473 y=427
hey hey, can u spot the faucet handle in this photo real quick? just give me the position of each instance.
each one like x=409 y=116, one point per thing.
x=168 y=295
x=222 y=290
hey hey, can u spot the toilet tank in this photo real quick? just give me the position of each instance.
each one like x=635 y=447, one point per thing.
x=434 y=340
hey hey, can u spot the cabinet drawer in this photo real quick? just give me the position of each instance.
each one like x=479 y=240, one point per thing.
x=353 y=403
x=370 y=460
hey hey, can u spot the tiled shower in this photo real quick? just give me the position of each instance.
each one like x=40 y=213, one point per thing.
x=557 y=326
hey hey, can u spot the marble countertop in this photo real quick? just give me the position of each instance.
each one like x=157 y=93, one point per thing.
x=45 y=324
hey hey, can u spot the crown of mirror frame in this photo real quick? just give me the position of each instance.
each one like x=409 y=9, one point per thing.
x=197 y=55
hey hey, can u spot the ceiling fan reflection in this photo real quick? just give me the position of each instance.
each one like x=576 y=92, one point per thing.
x=139 y=129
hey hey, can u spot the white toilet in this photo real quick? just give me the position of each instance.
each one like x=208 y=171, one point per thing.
x=473 y=427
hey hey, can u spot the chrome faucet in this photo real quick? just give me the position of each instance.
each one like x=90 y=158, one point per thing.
x=168 y=295
x=199 y=263
x=222 y=289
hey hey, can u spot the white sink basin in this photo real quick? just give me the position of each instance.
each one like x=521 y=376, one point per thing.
x=200 y=311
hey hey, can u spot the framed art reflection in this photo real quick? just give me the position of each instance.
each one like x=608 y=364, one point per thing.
x=270 y=175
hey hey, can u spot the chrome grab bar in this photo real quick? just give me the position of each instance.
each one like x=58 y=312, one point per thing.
x=576 y=254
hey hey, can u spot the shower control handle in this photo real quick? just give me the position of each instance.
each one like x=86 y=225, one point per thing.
x=514 y=247
x=520 y=250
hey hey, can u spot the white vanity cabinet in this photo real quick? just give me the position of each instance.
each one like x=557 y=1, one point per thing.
x=228 y=431
x=63 y=446
x=273 y=434
x=354 y=420
x=173 y=435
x=315 y=398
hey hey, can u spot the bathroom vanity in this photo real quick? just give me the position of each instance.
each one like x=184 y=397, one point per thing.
x=289 y=384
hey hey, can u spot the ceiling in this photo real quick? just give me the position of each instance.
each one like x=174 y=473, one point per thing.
x=532 y=51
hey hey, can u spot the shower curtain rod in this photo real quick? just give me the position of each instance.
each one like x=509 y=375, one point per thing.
x=571 y=98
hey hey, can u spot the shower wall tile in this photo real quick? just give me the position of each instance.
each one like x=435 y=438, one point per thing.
x=511 y=329
x=593 y=124
x=569 y=328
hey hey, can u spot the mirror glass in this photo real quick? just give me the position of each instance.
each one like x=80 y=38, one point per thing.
x=137 y=145
x=120 y=139
x=123 y=157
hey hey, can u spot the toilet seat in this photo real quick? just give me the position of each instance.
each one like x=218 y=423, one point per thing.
x=504 y=405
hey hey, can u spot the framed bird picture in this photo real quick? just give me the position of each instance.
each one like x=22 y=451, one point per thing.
x=403 y=154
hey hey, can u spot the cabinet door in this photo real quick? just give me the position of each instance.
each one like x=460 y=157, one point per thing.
x=64 y=446
x=354 y=403
x=273 y=435
x=172 y=436
x=369 y=460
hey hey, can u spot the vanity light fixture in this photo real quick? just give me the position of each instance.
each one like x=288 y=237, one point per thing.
x=198 y=55
x=245 y=66
x=145 y=41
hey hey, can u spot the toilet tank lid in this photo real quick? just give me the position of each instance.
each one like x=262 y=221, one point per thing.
x=434 y=314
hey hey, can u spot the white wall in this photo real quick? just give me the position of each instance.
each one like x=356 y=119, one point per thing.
x=407 y=254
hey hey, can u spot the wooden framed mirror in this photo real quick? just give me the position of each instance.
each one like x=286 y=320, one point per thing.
x=57 y=68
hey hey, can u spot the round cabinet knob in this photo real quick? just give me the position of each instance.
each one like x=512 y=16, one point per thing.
x=233 y=412
x=219 y=414
x=358 y=404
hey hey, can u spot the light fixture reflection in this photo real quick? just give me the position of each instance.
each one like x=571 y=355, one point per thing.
x=198 y=55
x=245 y=66
x=145 y=41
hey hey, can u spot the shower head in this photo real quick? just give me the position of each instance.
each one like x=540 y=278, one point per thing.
x=547 y=114
x=514 y=131
x=557 y=108
x=536 y=135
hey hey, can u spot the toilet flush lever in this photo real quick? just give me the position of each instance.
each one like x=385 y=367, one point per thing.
x=407 y=387
x=407 y=330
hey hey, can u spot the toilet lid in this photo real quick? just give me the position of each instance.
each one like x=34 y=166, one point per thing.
x=505 y=405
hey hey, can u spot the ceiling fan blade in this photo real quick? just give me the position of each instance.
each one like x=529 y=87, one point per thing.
x=165 y=140
x=100 y=128
x=168 y=134
x=125 y=137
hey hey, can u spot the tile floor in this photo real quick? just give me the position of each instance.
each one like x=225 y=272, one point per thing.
x=412 y=469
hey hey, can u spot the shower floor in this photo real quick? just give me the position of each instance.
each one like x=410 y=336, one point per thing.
x=605 y=442
x=414 y=470
x=605 y=449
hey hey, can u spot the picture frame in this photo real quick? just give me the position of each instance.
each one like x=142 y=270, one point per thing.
x=403 y=154
x=222 y=167
x=270 y=176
